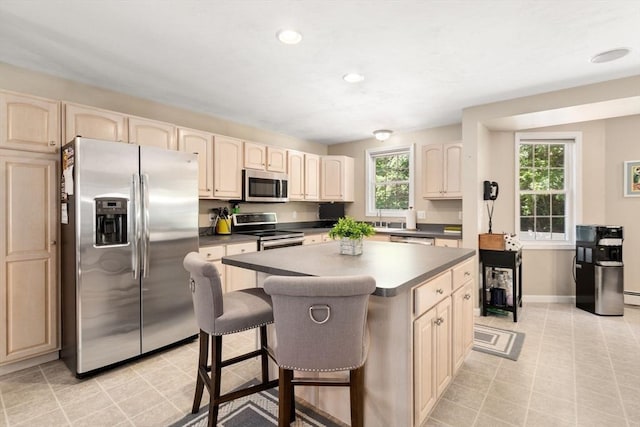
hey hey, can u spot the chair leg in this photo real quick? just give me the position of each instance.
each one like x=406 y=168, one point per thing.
x=216 y=379
x=202 y=370
x=356 y=393
x=265 y=354
x=285 y=392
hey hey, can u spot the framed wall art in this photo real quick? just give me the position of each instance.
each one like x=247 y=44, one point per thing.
x=632 y=178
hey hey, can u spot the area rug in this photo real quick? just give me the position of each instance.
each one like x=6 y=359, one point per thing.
x=499 y=342
x=256 y=410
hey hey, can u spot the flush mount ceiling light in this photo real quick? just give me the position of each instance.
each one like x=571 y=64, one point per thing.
x=353 y=78
x=382 y=134
x=289 y=36
x=610 y=55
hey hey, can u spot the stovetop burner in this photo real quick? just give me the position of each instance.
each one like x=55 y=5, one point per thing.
x=262 y=225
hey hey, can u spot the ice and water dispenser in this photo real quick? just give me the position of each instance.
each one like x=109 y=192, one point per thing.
x=599 y=269
x=111 y=221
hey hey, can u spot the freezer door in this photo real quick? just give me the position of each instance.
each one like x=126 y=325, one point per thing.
x=108 y=295
x=170 y=231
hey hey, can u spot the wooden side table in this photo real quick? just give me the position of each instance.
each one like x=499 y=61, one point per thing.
x=511 y=260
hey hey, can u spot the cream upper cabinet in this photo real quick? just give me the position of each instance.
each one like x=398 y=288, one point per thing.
x=264 y=157
x=337 y=178
x=276 y=159
x=29 y=123
x=255 y=155
x=295 y=166
x=442 y=171
x=88 y=122
x=227 y=168
x=194 y=141
x=311 y=177
x=28 y=253
x=152 y=133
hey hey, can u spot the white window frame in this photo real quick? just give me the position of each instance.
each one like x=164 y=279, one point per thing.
x=371 y=154
x=573 y=180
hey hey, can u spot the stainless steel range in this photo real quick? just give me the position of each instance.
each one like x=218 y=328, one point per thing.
x=264 y=226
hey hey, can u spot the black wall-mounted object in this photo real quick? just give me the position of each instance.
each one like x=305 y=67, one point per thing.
x=490 y=190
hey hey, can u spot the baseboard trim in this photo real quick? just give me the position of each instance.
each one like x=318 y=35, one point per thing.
x=28 y=363
x=632 y=298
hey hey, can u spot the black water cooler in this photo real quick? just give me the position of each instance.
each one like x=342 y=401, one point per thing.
x=599 y=269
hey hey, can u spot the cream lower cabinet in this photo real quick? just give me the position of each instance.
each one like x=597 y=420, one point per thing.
x=240 y=278
x=312 y=239
x=448 y=243
x=29 y=123
x=214 y=255
x=462 y=311
x=29 y=297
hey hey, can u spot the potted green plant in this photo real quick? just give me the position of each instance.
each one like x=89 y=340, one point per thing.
x=351 y=233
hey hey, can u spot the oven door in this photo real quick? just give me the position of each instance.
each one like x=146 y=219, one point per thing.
x=261 y=186
x=266 y=245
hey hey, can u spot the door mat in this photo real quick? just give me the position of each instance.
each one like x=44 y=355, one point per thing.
x=257 y=410
x=496 y=341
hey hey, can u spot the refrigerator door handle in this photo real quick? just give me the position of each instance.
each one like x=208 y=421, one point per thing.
x=145 y=225
x=135 y=248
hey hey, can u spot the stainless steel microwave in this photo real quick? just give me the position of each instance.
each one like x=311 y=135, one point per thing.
x=261 y=186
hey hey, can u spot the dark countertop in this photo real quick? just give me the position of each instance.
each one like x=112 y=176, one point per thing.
x=395 y=267
x=225 y=239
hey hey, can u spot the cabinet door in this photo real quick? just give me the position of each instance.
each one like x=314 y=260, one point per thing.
x=295 y=161
x=332 y=178
x=193 y=141
x=152 y=133
x=227 y=168
x=93 y=123
x=448 y=243
x=240 y=278
x=276 y=159
x=443 y=346
x=312 y=239
x=462 y=325
x=28 y=254
x=311 y=177
x=29 y=123
x=213 y=255
x=255 y=156
x=432 y=168
x=452 y=181
x=424 y=365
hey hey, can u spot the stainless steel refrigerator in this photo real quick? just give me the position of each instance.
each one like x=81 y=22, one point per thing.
x=129 y=216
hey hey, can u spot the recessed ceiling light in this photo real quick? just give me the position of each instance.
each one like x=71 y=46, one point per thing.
x=289 y=36
x=610 y=55
x=353 y=77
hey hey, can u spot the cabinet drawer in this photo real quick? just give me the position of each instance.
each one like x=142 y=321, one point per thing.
x=463 y=272
x=242 y=248
x=427 y=295
x=212 y=252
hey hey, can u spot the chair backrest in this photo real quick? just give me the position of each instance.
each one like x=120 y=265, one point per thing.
x=206 y=291
x=321 y=322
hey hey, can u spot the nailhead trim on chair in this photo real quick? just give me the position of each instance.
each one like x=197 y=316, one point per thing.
x=322 y=370
x=241 y=330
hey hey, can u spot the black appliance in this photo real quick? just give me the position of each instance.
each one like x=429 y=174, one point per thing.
x=330 y=210
x=599 y=269
x=263 y=225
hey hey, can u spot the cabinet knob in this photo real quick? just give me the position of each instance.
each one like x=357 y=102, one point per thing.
x=53 y=243
x=439 y=291
x=439 y=321
x=466 y=273
x=467 y=296
x=242 y=250
x=52 y=143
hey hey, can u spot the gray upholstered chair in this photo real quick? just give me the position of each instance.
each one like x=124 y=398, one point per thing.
x=321 y=326
x=218 y=315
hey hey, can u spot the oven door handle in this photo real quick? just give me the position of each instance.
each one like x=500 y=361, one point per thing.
x=279 y=242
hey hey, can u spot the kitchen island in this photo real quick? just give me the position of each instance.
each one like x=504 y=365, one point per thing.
x=420 y=321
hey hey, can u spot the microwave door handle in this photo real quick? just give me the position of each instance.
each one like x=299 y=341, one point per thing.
x=135 y=241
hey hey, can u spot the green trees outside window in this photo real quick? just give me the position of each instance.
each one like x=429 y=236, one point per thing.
x=392 y=181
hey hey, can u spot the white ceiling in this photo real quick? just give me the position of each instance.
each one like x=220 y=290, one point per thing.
x=423 y=61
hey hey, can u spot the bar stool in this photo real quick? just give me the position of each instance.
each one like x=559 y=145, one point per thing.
x=321 y=326
x=218 y=315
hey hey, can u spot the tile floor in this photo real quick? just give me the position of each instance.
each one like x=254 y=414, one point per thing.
x=575 y=369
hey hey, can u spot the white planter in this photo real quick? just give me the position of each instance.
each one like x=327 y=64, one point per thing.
x=350 y=246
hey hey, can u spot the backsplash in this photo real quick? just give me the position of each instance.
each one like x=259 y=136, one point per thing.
x=286 y=212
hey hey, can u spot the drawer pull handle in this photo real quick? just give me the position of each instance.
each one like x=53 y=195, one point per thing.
x=439 y=291
x=439 y=321
x=466 y=273
x=467 y=296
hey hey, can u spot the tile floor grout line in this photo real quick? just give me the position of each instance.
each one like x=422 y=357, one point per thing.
x=535 y=369
x=104 y=390
x=158 y=391
x=55 y=396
